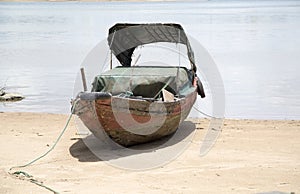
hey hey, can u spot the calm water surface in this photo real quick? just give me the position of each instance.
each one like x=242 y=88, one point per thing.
x=256 y=46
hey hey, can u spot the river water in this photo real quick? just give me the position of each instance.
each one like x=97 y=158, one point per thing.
x=255 y=45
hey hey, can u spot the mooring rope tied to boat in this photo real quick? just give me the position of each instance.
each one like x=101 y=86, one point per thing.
x=205 y=114
x=22 y=175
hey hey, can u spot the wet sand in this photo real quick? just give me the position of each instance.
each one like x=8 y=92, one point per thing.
x=250 y=156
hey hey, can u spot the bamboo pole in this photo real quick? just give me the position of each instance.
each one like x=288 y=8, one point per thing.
x=110 y=59
x=83 y=79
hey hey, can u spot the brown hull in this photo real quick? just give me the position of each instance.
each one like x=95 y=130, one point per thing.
x=131 y=121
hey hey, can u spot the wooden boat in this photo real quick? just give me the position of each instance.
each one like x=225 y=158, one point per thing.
x=139 y=104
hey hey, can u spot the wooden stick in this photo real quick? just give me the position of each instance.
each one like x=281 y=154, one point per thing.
x=110 y=59
x=83 y=79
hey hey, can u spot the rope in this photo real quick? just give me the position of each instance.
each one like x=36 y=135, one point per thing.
x=205 y=114
x=169 y=81
x=29 y=177
x=46 y=153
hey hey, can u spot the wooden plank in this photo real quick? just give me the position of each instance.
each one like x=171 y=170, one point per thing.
x=167 y=96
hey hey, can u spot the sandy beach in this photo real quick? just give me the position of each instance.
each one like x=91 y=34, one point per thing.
x=250 y=156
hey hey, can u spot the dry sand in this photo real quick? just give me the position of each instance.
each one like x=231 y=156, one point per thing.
x=250 y=156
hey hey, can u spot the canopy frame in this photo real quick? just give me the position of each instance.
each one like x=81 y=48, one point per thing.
x=124 y=38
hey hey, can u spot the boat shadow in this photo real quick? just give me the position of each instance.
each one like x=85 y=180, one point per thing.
x=90 y=149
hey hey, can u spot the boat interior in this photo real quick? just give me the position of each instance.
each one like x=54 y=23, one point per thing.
x=144 y=82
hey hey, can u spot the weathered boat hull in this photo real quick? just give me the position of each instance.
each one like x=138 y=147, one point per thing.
x=137 y=103
x=133 y=121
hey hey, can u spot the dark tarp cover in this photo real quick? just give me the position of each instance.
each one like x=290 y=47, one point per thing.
x=124 y=38
x=143 y=81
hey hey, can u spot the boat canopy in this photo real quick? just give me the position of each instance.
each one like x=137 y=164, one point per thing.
x=124 y=38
